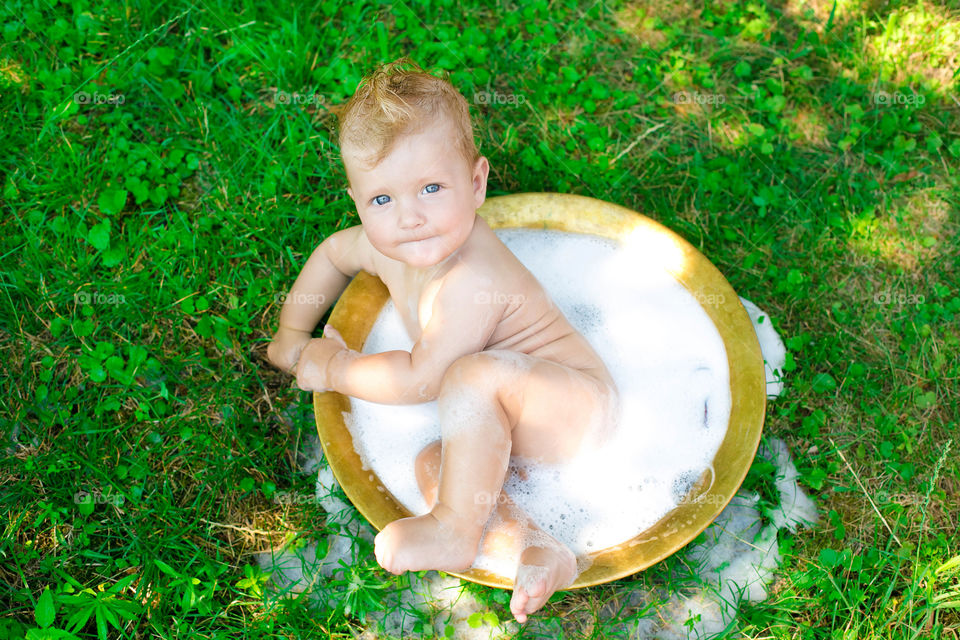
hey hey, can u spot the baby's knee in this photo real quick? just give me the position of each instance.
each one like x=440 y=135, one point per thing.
x=484 y=386
x=464 y=370
x=471 y=370
x=485 y=367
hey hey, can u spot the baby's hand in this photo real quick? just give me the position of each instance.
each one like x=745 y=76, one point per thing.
x=285 y=348
x=314 y=359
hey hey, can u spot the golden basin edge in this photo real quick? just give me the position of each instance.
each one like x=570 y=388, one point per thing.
x=359 y=305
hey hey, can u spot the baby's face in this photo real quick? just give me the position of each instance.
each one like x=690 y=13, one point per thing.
x=418 y=205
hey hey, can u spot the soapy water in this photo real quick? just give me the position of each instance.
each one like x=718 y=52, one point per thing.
x=666 y=357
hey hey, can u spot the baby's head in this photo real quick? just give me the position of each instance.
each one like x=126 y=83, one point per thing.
x=414 y=171
x=397 y=99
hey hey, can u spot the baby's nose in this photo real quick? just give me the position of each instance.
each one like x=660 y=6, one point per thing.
x=411 y=218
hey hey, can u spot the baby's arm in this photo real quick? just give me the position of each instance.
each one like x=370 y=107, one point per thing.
x=323 y=278
x=458 y=326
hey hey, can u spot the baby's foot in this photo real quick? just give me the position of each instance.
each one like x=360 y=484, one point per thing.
x=424 y=542
x=541 y=572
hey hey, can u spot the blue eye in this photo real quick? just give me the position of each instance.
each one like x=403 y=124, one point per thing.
x=427 y=188
x=377 y=199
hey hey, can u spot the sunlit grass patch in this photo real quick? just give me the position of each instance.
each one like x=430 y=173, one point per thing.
x=912 y=232
x=917 y=43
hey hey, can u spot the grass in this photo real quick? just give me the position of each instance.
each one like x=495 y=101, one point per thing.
x=167 y=167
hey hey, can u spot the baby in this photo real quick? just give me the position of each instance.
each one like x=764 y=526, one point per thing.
x=511 y=376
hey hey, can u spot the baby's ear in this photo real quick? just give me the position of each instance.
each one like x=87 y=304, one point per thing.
x=480 y=172
x=350 y=192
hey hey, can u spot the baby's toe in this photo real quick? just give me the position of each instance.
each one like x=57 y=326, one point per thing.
x=383 y=552
x=518 y=604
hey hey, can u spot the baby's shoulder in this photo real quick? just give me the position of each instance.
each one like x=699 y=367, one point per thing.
x=491 y=260
x=350 y=251
x=473 y=277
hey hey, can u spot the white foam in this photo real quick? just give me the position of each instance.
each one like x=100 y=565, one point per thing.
x=668 y=361
x=771 y=346
x=795 y=507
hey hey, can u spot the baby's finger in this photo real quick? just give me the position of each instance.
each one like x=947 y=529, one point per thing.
x=330 y=332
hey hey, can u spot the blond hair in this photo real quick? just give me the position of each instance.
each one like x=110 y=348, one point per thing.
x=400 y=98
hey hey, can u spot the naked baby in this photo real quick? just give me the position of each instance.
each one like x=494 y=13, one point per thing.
x=511 y=376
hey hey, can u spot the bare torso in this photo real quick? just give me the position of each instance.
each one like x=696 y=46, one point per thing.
x=530 y=322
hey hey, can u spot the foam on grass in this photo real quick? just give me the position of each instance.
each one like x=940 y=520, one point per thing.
x=774 y=353
x=737 y=559
x=733 y=563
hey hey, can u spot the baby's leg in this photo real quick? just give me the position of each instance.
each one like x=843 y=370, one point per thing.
x=489 y=403
x=476 y=449
x=544 y=564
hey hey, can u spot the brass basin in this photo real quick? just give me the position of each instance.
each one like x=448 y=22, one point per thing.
x=358 y=307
